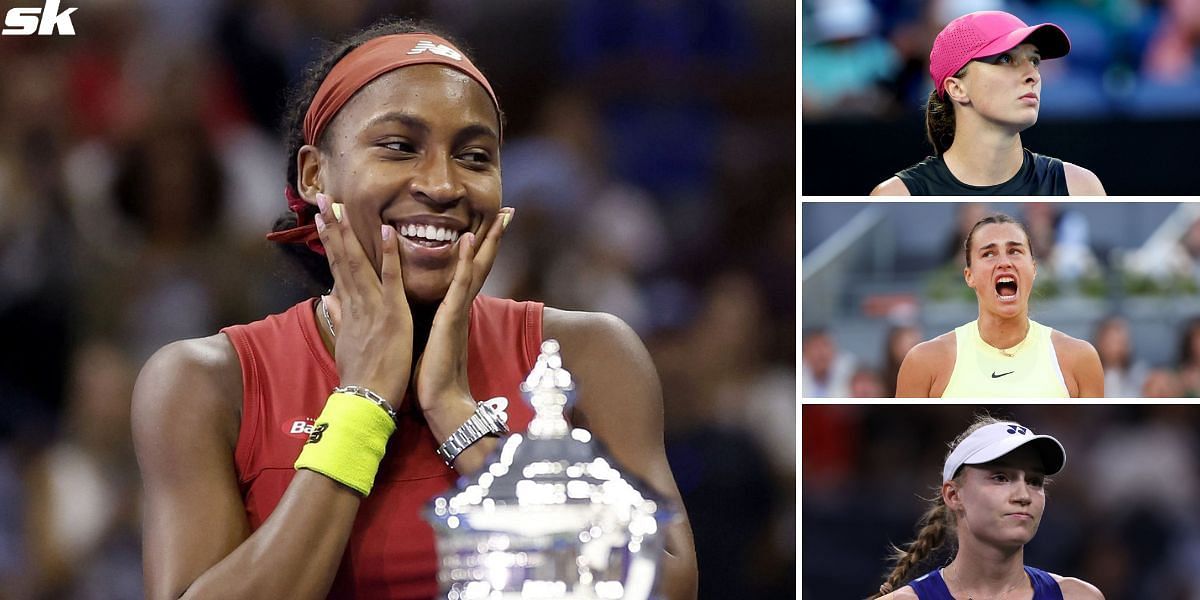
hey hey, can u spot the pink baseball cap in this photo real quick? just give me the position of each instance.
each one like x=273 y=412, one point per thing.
x=985 y=33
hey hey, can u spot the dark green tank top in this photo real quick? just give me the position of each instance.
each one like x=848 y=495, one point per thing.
x=1039 y=176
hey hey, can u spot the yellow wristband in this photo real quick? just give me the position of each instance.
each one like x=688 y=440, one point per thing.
x=348 y=441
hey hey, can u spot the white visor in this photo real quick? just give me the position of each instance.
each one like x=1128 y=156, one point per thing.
x=993 y=441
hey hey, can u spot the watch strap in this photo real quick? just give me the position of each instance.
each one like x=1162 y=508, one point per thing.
x=489 y=418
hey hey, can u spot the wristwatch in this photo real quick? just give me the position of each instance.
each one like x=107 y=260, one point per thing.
x=489 y=419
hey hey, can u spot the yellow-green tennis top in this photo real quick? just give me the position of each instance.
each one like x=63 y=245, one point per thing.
x=981 y=371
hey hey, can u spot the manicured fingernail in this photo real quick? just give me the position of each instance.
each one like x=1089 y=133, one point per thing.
x=320 y=222
x=506 y=217
x=337 y=211
x=385 y=230
x=322 y=202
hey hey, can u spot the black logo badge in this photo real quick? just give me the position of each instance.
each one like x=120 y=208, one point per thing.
x=315 y=436
x=995 y=376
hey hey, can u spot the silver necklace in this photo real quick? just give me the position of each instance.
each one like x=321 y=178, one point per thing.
x=328 y=319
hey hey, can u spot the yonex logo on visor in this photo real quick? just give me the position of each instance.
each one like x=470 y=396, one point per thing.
x=439 y=49
x=1017 y=429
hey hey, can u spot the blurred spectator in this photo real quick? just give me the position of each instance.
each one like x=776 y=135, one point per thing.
x=83 y=534
x=14 y=560
x=967 y=214
x=1162 y=383
x=1171 y=55
x=826 y=372
x=716 y=373
x=1189 y=359
x=728 y=347
x=157 y=286
x=847 y=64
x=1191 y=247
x=865 y=383
x=1150 y=463
x=900 y=339
x=1144 y=476
x=1124 y=376
x=1060 y=241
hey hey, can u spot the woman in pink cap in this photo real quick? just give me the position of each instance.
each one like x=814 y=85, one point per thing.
x=987 y=90
x=292 y=457
x=990 y=504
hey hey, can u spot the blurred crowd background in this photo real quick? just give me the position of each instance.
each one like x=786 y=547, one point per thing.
x=880 y=278
x=650 y=156
x=1133 y=74
x=1121 y=515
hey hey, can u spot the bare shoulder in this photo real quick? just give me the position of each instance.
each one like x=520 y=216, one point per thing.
x=1065 y=344
x=926 y=368
x=1074 y=351
x=936 y=351
x=1077 y=589
x=1080 y=364
x=892 y=187
x=904 y=593
x=185 y=383
x=1081 y=181
x=593 y=341
x=595 y=334
x=618 y=395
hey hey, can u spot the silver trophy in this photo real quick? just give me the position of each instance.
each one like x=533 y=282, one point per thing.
x=550 y=517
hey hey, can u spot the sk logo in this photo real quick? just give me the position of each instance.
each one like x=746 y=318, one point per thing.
x=315 y=436
x=1017 y=429
x=39 y=21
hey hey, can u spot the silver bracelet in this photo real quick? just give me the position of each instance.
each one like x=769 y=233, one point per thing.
x=489 y=418
x=363 y=392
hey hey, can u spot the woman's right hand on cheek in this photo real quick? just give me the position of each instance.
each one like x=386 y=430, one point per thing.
x=374 y=342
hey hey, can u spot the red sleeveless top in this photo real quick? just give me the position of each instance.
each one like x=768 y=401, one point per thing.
x=287 y=374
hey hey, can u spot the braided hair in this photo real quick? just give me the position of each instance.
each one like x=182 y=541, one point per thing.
x=936 y=529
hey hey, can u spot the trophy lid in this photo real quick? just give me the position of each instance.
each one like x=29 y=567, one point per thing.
x=554 y=478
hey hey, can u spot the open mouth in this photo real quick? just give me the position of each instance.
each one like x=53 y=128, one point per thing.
x=1006 y=286
x=429 y=236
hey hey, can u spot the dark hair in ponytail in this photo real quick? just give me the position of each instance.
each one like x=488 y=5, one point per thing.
x=298 y=100
x=939 y=120
x=936 y=529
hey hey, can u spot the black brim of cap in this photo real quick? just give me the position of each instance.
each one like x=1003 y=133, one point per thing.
x=1051 y=41
x=1053 y=457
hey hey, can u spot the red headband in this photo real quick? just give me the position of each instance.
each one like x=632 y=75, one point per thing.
x=355 y=70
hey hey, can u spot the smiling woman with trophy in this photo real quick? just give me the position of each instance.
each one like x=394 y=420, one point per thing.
x=292 y=457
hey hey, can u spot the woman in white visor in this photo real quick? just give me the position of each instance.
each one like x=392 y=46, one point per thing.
x=991 y=502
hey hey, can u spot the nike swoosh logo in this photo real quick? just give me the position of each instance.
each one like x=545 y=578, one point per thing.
x=994 y=375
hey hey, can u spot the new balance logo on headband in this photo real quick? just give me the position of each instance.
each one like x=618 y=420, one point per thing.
x=439 y=49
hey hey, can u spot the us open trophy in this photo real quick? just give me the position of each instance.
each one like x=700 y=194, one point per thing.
x=551 y=517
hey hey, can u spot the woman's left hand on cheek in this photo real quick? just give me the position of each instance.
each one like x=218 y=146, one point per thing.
x=441 y=371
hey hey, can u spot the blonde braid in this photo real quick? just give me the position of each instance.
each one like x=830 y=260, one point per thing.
x=937 y=527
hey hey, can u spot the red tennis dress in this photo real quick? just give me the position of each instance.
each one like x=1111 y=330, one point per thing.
x=287 y=374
